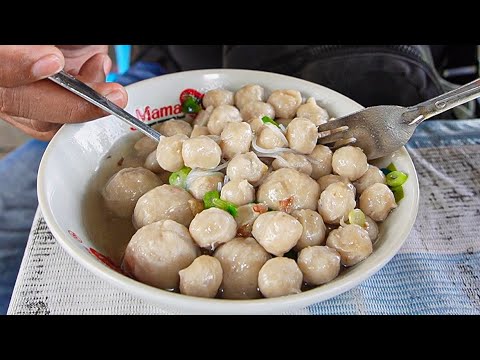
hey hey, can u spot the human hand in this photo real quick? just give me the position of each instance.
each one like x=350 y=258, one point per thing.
x=39 y=107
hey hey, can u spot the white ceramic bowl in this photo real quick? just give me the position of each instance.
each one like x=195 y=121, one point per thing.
x=74 y=154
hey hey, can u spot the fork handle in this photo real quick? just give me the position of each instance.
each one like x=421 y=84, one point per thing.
x=444 y=102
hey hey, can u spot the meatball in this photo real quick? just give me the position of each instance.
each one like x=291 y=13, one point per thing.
x=236 y=139
x=203 y=117
x=257 y=109
x=246 y=166
x=241 y=260
x=145 y=146
x=285 y=102
x=349 y=161
x=247 y=94
x=217 y=97
x=336 y=202
x=152 y=164
x=270 y=137
x=284 y=122
x=213 y=227
x=277 y=232
x=158 y=251
x=200 y=185
x=199 y=131
x=162 y=203
x=314 y=228
x=201 y=152
x=377 y=201
x=202 y=278
x=222 y=115
x=319 y=264
x=372 y=228
x=256 y=124
x=302 y=136
x=352 y=243
x=279 y=277
x=321 y=160
x=173 y=127
x=293 y=161
x=169 y=152
x=239 y=192
x=287 y=189
x=311 y=111
x=326 y=180
x=372 y=176
x=246 y=216
x=125 y=187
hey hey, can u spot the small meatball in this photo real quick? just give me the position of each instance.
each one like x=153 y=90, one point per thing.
x=277 y=232
x=270 y=137
x=217 y=97
x=257 y=109
x=169 y=152
x=201 y=152
x=247 y=94
x=377 y=201
x=158 y=251
x=152 y=164
x=246 y=216
x=311 y=111
x=199 y=131
x=241 y=260
x=372 y=228
x=203 y=184
x=319 y=264
x=125 y=187
x=302 y=135
x=285 y=102
x=288 y=189
x=314 y=228
x=162 y=203
x=173 y=127
x=145 y=146
x=349 y=161
x=236 y=139
x=213 y=227
x=256 y=124
x=279 y=277
x=372 y=176
x=203 y=116
x=221 y=116
x=336 y=202
x=293 y=161
x=321 y=160
x=352 y=243
x=202 y=278
x=246 y=166
x=326 y=180
x=239 y=192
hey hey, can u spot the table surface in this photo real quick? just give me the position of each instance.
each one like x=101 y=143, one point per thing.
x=437 y=271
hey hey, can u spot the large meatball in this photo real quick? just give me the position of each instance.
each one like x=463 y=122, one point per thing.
x=145 y=145
x=125 y=187
x=336 y=202
x=213 y=227
x=319 y=264
x=287 y=190
x=241 y=260
x=202 y=278
x=158 y=251
x=236 y=139
x=349 y=161
x=247 y=94
x=311 y=111
x=277 y=232
x=222 y=115
x=314 y=228
x=238 y=192
x=352 y=243
x=293 y=161
x=321 y=160
x=201 y=152
x=280 y=276
x=372 y=176
x=285 y=102
x=377 y=201
x=162 y=203
x=169 y=152
x=302 y=135
x=217 y=97
x=200 y=185
x=174 y=127
x=246 y=166
x=257 y=109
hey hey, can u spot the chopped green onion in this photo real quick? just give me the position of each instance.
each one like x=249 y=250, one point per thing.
x=356 y=216
x=396 y=178
x=398 y=193
x=391 y=167
x=212 y=199
x=269 y=120
x=179 y=178
x=191 y=105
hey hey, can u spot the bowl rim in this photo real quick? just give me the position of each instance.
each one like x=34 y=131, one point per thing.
x=197 y=304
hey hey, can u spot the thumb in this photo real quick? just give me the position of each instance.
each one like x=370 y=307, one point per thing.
x=23 y=64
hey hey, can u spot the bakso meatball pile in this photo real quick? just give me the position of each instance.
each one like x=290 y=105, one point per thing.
x=250 y=206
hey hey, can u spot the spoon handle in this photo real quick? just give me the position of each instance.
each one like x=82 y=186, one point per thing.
x=83 y=90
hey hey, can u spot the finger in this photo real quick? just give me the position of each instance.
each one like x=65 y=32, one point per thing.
x=37 y=129
x=77 y=55
x=96 y=68
x=46 y=101
x=23 y=64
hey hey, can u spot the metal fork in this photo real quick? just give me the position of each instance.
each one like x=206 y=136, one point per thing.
x=381 y=130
